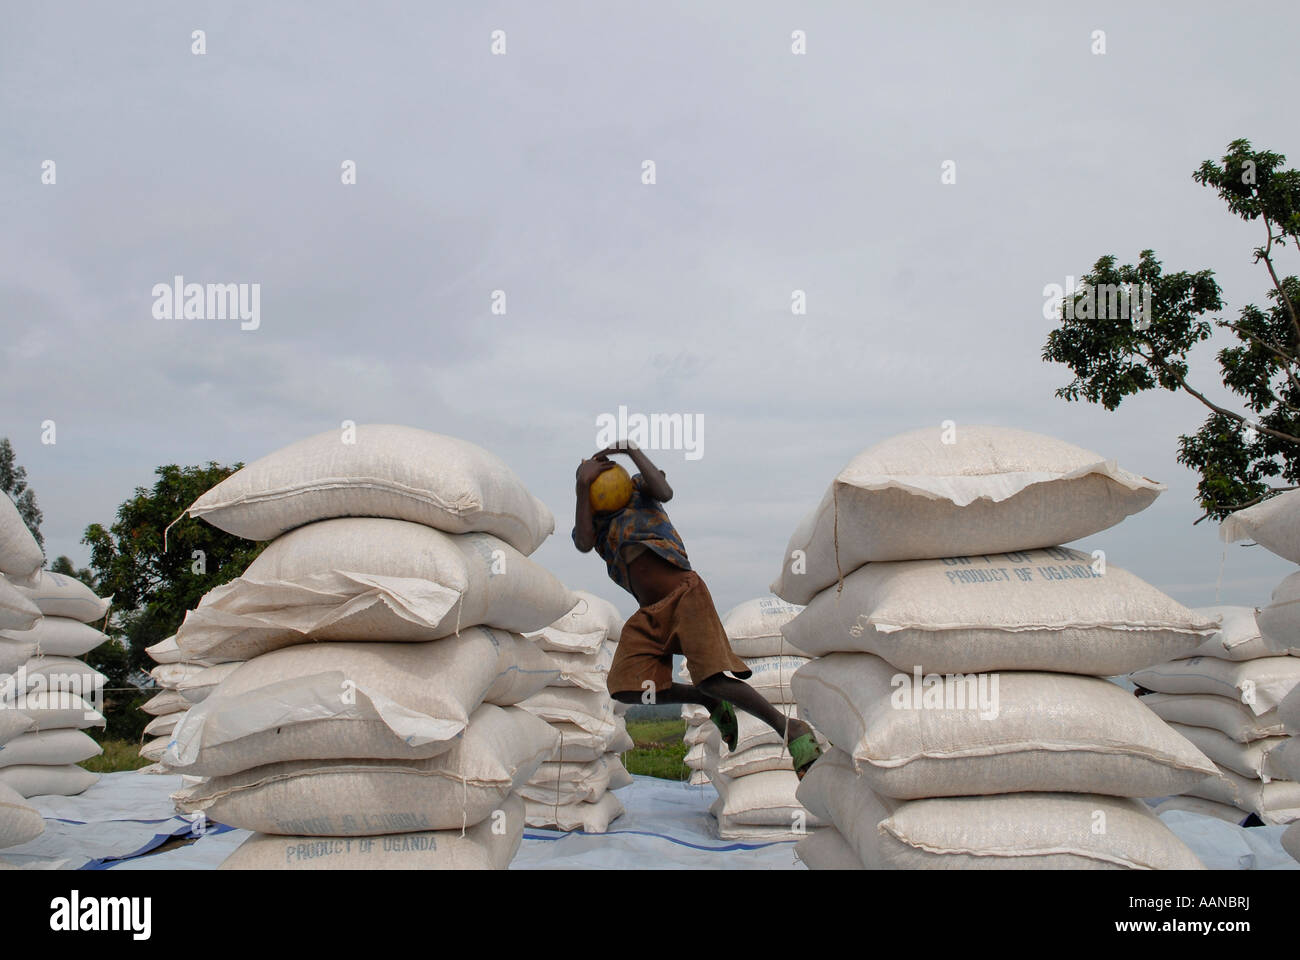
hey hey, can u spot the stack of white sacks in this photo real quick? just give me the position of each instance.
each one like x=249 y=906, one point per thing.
x=1240 y=699
x=1225 y=699
x=756 y=782
x=960 y=668
x=570 y=791
x=1288 y=760
x=698 y=731
x=1275 y=525
x=60 y=691
x=182 y=684
x=20 y=560
x=53 y=689
x=372 y=724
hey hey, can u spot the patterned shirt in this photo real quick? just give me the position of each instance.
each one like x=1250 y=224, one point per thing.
x=643 y=523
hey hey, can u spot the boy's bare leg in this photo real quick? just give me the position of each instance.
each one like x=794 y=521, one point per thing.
x=722 y=687
x=676 y=693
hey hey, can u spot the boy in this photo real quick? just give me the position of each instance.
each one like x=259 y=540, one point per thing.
x=644 y=555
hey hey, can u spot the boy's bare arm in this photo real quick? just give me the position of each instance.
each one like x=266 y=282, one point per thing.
x=656 y=482
x=584 y=527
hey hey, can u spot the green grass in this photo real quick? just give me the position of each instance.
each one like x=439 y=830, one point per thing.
x=118 y=755
x=658 y=752
x=659 y=749
x=655 y=733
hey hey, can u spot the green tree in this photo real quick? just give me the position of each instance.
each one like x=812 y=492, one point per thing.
x=1243 y=456
x=65 y=566
x=13 y=481
x=152 y=588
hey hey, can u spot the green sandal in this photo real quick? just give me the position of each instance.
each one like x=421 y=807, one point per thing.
x=724 y=718
x=804 y=751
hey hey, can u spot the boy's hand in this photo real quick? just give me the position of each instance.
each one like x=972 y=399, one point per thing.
x=589 y=470
x=623 y=446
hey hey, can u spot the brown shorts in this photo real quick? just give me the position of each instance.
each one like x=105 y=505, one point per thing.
x=683 y=622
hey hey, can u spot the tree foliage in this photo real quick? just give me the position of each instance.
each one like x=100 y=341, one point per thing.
x=65 y=566
x=152 y=588
x=13 y=481
x=1245 y=455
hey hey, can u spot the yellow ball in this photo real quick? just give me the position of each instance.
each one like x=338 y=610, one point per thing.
x=611 y=490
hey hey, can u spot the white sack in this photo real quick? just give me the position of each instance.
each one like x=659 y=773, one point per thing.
x=165 y=702
x=388 y=471
x=14 y=724
x=49 y=748
x=1204 y=808
x=1260 y=684
x=20 y=554
x=340 y=700
x=754 y=628
x=694 y=714
x=1032 y=831
x=1238 y=639
x=500 y=749
x=371 y=579
x=14 y=653
x=586 y=670
x=1011 y=831
x=490 y=845
x=571 y=782
x=523 y=668
x=587 y=817
x=1248 y=759
x=589 y=710
x=56 y=595
x=1282 y=762
x=584 y=628
x=60 y=637
x=763 y=800
x=1279 y=622
x=1048 y=732
x=16 y=611
x=770 y=676
x=164 y=725
x=65 y=673
x=995 y=489
x=167 y=651
x=826 y=849
x=19 y=822
x=1291 y=840
x=54 y=710
x=44 y=781
x=1030 y=610
x=196 y=687
x=578 y=746
x=1273 y=524
x=1275 y=802
x=169 y=675
x=1230 y=717
x=1288 y=711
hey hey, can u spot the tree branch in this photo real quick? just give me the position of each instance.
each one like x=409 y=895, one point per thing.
x=1268 y=262
x=1271 y=347
x=1249 y=503
x=1224 y=411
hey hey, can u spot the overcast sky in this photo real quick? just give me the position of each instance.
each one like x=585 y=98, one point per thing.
x=523 y=173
